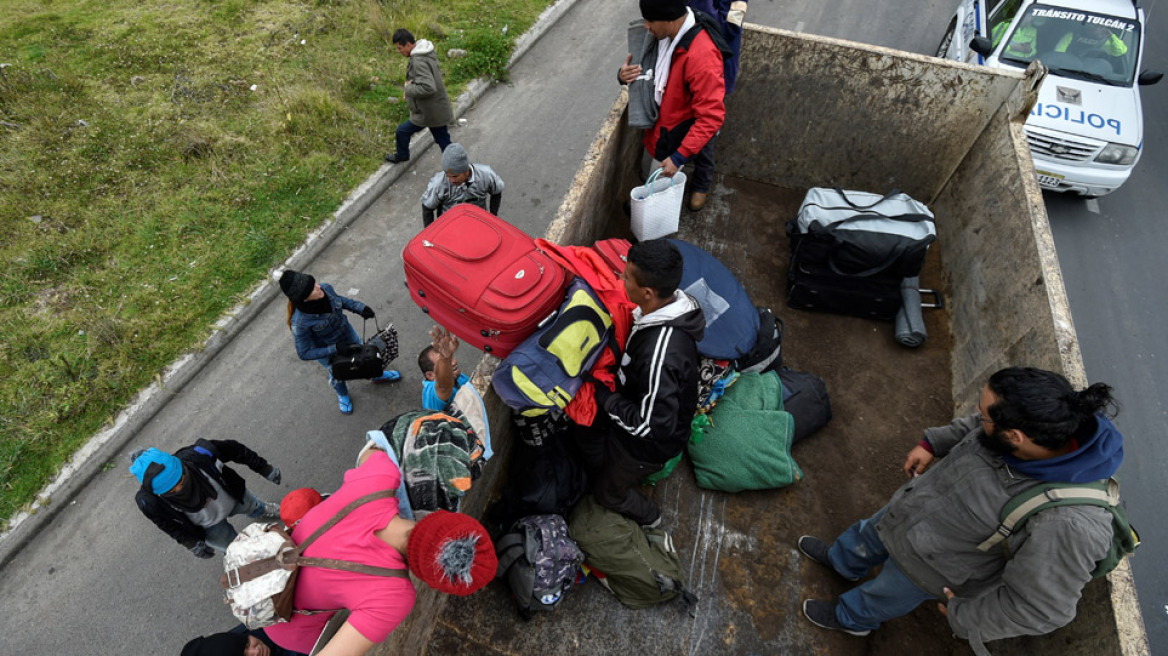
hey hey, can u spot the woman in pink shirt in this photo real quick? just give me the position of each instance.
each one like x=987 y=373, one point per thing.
x=449 y=551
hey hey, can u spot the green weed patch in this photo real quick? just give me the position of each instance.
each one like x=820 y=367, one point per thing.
x=157 y=159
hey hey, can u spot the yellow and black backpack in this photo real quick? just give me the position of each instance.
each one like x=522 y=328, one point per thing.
x=545 y=371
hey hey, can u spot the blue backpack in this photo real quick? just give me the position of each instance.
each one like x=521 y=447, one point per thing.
x=545 y=371
x=731 y=318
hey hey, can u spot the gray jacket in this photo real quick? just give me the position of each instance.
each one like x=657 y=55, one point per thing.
x=484 y=183
x=426 y=94
x=935 y=522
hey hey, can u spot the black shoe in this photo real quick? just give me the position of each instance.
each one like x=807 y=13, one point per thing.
x=816 y=550
x=392 y=158
x=822 y=614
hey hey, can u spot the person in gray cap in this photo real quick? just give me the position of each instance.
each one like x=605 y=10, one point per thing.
x=459 y=181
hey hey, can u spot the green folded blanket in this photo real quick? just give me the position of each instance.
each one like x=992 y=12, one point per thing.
x=747 y=445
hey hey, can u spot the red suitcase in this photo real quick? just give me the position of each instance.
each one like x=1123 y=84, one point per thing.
x=615 y=253
x=482 y=278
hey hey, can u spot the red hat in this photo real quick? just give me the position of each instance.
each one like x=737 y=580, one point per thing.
x=452 y=553
x=297 y=503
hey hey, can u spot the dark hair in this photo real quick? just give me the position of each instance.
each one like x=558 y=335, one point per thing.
x=1044 y=405
x=659 y=265
x=402 y=36
x=425 y=362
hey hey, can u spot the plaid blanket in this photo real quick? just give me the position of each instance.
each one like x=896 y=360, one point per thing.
x=440 y=456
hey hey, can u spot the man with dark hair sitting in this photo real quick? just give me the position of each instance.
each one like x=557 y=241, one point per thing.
x=935 y=540
x=646 y=421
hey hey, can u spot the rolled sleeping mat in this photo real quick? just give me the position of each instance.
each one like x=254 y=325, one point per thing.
x=910 y=322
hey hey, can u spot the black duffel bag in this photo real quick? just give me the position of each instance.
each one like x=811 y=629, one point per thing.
x=357 y=361
x=861 y=234
x=368 y=360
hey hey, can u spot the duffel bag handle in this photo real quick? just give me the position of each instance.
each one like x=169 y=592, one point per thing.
x=843 y=194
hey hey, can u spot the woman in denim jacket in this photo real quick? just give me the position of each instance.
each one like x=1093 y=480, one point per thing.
x=321 y=329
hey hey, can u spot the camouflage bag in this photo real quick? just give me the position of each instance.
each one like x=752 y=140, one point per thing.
x=539 y=561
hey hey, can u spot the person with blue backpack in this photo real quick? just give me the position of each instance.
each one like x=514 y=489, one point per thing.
x=1035 y=445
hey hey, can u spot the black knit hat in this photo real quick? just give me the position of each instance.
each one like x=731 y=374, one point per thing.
x=297 y=286
x=662 y=10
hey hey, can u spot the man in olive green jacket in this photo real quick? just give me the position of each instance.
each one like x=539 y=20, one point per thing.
x=425 y=93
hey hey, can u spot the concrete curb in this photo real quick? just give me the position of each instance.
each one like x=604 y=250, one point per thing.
x=102 y=448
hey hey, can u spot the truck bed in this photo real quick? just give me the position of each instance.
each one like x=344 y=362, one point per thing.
x=812 y=111
x=739 y=549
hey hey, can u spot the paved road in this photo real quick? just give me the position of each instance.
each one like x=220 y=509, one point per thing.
x=1112 y=255
x=102 y=577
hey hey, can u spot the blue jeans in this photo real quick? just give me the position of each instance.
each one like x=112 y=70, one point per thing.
x=339 y=386
x=889 y=595
x=220 y=535
x=408 y=129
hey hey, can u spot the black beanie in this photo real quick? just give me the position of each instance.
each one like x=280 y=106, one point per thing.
x=220 y=644
x=297 y=286
x=662 y=10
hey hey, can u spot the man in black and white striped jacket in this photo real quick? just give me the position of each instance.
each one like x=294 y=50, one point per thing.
x=646 y=421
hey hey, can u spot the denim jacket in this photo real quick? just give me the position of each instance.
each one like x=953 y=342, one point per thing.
x=317 y=335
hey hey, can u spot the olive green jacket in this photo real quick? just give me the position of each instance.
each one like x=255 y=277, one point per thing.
x=425 y=93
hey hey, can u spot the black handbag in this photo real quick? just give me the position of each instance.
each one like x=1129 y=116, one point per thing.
x=367 y=360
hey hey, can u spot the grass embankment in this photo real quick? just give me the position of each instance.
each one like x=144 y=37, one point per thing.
x=157 y=159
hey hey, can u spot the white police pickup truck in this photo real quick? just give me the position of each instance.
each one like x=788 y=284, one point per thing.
x=1086 y=130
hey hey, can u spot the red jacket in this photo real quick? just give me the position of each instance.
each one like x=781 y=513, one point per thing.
x=692 y=108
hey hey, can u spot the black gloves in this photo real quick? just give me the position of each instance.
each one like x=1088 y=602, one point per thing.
x=347 y=348
x=368 y=313
x=202 y=550
x=273 y=474
x=602 y=394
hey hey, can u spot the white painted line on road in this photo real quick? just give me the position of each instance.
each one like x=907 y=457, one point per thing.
x=1093 y=205
x=799 y=26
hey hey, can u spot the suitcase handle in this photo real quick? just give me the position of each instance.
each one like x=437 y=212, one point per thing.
x=938 y=300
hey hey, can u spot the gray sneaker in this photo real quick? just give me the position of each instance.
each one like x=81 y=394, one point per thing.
x=271 y=510
x=816 y=550
x=822 y=614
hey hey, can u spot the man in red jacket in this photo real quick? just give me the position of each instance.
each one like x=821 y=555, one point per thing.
x=689 y=90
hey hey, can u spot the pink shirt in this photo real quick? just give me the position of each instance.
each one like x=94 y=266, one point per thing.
x=376 y=604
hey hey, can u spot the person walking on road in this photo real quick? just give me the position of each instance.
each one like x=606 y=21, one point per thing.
x=689 y=90
x=191 y=493
x=459 y=181
x=321 y=330
x=1031 y=427
x=425 y=94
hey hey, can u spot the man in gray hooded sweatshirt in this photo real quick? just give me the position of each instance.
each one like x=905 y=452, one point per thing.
x=1031 y=427
x=425 y=94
